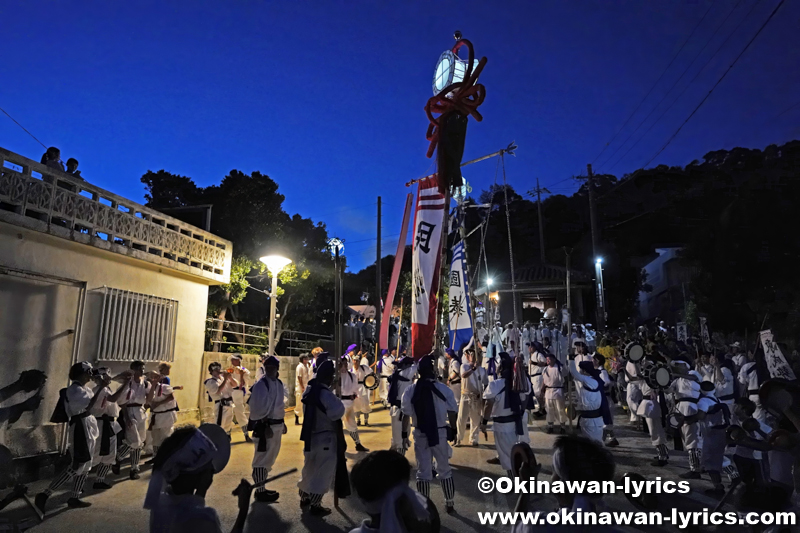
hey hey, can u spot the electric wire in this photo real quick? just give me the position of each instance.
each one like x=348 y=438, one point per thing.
x=23 y=128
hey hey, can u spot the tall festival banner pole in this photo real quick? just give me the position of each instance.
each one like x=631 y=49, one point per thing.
x=457 y=96
x=398 y=264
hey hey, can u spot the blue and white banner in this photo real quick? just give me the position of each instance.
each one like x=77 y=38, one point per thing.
x=460 y=326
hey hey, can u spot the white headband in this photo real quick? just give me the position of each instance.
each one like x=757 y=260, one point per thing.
x=195 y=454
x=387 y=508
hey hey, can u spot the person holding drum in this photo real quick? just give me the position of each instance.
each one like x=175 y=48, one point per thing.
x=362 y=403
x=634 y=352
x=608 y=419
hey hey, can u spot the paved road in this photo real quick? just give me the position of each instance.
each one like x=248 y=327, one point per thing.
x=120 y=508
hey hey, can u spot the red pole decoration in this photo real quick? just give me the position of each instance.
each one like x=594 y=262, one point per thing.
x=398 y=263
x=454 y=104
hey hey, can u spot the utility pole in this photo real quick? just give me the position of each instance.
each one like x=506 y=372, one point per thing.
x=378 y=288
x=337 y=319
x=601 y=312
x=538 y=191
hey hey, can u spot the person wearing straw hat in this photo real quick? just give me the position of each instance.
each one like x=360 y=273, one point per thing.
x=76 y=402
x=240 y=381
x=323 y=438
x=430 y=403
x=268 y=398
x=183 y=471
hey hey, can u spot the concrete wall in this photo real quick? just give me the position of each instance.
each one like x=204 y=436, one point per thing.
x=37 y=316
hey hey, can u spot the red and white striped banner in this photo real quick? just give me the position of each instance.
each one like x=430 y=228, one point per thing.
x=426 y=265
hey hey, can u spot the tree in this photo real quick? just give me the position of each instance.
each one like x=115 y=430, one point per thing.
x=248 y=211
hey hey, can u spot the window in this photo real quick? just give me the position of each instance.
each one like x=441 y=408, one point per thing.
x=137 y=327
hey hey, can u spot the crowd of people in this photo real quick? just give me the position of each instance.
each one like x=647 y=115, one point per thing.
x=711 y=401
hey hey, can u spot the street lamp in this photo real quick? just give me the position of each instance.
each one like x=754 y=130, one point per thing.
x=489 y=282
x=275 y=263
x=601 y=304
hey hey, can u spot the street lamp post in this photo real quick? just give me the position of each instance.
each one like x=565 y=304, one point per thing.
x=601 y=303
x=275 y=263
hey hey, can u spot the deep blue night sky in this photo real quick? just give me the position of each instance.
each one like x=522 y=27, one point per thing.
x=327 y=97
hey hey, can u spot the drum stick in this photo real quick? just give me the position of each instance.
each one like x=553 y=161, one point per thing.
x=273 y=478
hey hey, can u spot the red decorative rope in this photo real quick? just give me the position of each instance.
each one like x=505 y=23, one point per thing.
x=467 y=96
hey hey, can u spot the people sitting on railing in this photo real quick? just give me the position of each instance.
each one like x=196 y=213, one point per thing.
x=52 y=159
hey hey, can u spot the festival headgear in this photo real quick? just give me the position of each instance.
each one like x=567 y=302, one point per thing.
x=505 y=365
x=707 y=388
x=735 y=344
x=272 y=361
x=351 y=348
x=386 y=507
x=325 y=370
x=384 y=351
x=236 y=356
x=588 y=367
x=427 y=367
x=209 y=444
x=78 y=369
x=214 y=366
x=404 y=362
x=450 y=352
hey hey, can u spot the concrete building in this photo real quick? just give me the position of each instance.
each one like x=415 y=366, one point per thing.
x=668 y=280
x=88 y=275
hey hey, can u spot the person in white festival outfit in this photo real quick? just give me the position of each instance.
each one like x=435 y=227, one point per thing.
x=300 y=382
x=686 y=389
x=429 y=402
x=322 y=415
x=363 y=406
x=590 y=391
x=553 y=382
x=473 y=382
x=385 y=369
x=349 y=394
x=82 y=433
x=537 y=362
x=403 y=377
x=218 y=387
x=163 y=413
x=634 y=390
x=132 y=400
x=506 y=408
x=268 y=398
x=240 y=381
x=105 y=410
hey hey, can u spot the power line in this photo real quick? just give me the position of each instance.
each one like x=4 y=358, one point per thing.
x=696 y=57
x=655 y=84
x=675 y=101
x=23 y=128
x=764 y=25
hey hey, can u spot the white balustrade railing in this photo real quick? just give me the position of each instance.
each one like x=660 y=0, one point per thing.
x=72 y=208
